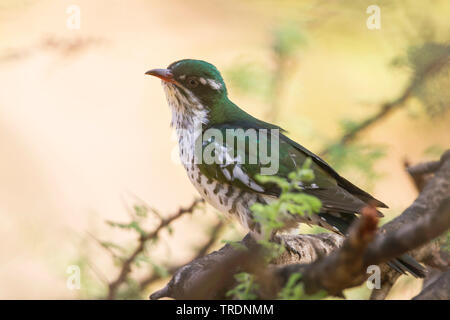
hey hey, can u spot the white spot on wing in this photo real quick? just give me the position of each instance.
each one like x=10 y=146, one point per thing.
x=245 y=179
x=226 y=173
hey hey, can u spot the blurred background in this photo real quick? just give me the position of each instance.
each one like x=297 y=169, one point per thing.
x=88 y=159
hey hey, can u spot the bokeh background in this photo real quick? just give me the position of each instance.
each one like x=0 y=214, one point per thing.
x=84 y=135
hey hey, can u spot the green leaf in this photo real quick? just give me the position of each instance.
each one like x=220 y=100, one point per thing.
x=251 y=78
x=288 y=38
x=246 y=287
x=235 y=244
x=434 y=151
x=294 y=290
x=133 y=225
x=141 y=211
x=282 y=183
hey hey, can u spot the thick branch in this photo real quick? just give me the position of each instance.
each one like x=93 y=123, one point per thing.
x=429 y=254
x=210 y=276
x=341 y=268
x=438 y=289
x=427 y=218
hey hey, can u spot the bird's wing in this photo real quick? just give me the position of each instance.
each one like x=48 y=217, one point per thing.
x=239 y=170
x=341 y=181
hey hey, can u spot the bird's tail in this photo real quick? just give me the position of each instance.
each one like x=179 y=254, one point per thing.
x=402 y=264
x=406 y=263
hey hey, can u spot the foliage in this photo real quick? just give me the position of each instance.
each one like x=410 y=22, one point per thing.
x=125 y=257
x=446 y=242
x=246 y=287
x=429 y=63
x=356 y=156
x=91 y=279
x=292 y=201
x=251 y=78
x=130 y=290
x=288 y=38
x=235 y=244
x=133 y=225
x=294 y=290
x=434 y=151
x=266 y=80
x=273 y=216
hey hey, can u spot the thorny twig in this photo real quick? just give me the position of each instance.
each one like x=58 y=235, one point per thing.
x=66 y=47
x=216 y=230
x=387 y=107
x=127 y=263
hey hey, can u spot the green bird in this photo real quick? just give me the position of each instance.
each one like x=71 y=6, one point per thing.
x=204 y=116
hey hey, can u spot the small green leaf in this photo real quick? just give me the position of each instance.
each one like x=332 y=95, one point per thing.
x=245 y=288
x=235 y=244
x=141 y=211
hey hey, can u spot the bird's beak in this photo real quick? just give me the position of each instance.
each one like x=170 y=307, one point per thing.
x=163 y=74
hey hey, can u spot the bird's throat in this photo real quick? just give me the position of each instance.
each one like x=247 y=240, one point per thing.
x=187 y=111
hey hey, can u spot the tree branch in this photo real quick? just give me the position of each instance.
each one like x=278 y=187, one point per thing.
x=427 y=218
x=217 y=229
x=126 y=265
x=437 y=290
x=340 y=269
x=387 y=107
x=210 y=276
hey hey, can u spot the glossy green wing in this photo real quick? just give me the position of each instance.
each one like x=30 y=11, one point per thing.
x=235 y=153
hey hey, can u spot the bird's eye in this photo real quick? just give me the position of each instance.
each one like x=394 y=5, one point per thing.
x=192 y=82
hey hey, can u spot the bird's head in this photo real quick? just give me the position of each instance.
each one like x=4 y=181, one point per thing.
x=191 y=84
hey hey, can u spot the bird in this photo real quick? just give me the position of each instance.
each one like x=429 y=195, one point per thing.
x=202 y=112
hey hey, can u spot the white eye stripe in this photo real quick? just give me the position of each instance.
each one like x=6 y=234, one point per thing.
x=214 y=84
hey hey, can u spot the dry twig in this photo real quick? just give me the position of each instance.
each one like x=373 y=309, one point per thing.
x=126 y=265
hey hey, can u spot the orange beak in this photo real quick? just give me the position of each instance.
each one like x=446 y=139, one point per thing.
x=163 y=74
